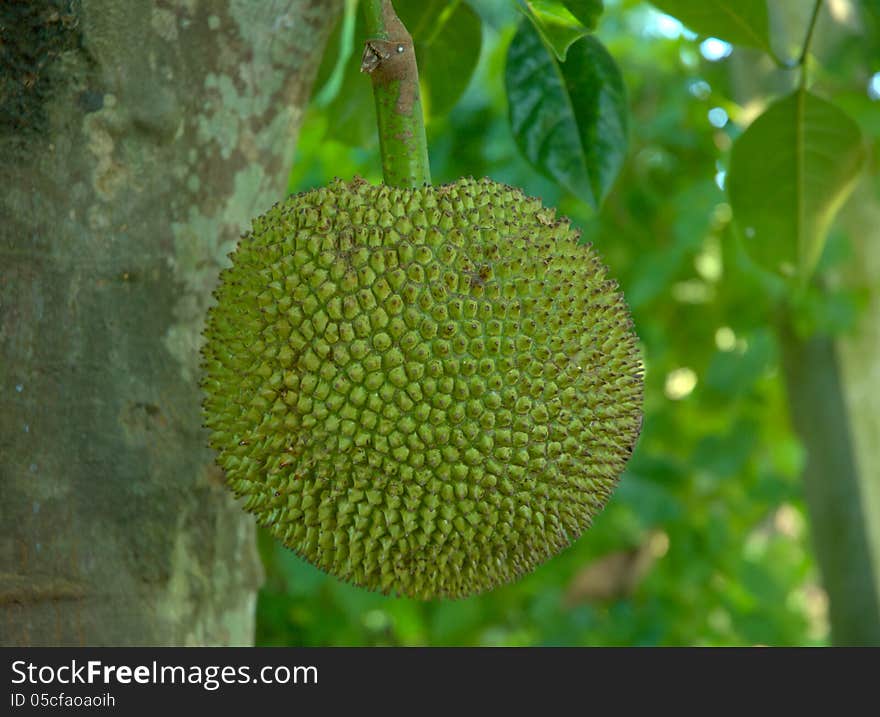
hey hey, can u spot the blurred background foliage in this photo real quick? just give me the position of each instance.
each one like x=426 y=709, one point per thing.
x=706 y=541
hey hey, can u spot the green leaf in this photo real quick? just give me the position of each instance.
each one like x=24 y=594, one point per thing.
x=741 y=22
x=569 y=119
x=562 y=23
x=789 y=174
x=587 y=11
x=448 y=37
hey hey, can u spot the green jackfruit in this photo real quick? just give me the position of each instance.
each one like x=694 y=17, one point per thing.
x=422 y=391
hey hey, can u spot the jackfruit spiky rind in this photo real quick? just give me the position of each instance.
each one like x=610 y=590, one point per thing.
x=422 y=391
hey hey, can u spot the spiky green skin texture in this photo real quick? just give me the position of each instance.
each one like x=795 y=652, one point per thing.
x=422 y=391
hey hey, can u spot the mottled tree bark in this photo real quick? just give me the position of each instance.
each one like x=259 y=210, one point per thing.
x=137 y=141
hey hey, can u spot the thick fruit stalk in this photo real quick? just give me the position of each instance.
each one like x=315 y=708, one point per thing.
x=390 y=59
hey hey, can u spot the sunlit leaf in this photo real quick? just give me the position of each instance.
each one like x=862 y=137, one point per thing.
x=447 y=36
x=789 y=174
x=569 y=119
x=562 y=23
x=741 y=22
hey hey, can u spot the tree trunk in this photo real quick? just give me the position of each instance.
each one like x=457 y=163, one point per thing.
x=859 y=357
x=137 y=141
x=835 y=484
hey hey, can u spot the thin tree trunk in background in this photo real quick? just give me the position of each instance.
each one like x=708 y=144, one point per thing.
x=859 y=358
x=137 y=141
x=835 y=485
x=834 y=398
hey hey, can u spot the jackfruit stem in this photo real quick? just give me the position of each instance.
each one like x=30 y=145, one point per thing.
x=390 y=60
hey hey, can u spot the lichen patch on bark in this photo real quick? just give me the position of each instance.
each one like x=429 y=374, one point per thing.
x=119 y=215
